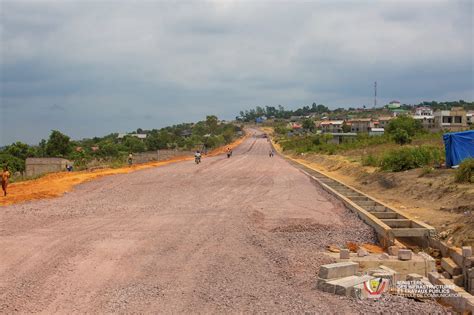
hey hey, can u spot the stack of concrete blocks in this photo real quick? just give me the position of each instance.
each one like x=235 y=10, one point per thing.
x=468 y=269
x=340 y=278
x=461 y=301
x=458 y=265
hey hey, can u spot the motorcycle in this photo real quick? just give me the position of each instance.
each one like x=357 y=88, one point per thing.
x=197 y=159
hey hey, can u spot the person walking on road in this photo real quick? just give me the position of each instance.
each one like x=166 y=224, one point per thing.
x=130 y=159
x=229 y=152
x=271 y=153
x=5 y=179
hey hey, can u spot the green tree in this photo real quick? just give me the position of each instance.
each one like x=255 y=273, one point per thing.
x=41 y=150
x=401 y=136
x=211 y=123
x=20 y=150
x=108 y=148
x=407 y=123
x=308 y=124
x=58 y=145
x=134 y=144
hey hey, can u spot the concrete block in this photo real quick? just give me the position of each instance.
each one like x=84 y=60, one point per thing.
x=466 y=251
x=320 y=283
x=468 y=262
x=344 y=254
x=361 y=252
x=404 y=254
x=458 y=280
x=395 y=275
x=414 y=277
x=343 y=287
x=330 y=285
x=440 y=245
x=393 y=250
x=434 y=277
x=450 y=266
x=456 y=256
x=470 y=272
x=338 y=270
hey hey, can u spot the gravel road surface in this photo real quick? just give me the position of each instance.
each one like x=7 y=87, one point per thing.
x=244 y=234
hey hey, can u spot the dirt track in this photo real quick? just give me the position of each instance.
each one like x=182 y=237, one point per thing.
x=229 y=235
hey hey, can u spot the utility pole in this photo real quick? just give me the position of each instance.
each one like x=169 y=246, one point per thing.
x=375 y=94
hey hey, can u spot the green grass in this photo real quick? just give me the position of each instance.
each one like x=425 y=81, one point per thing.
x=427 y=149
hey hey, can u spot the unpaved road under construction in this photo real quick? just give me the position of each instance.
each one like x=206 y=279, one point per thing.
x=244 y=234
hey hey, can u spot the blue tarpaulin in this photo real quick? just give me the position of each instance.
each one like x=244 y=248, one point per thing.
x=459 y=146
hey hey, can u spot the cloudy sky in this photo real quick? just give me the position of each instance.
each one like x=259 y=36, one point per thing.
x=94 y=67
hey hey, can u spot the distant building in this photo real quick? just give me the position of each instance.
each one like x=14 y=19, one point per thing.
x=394 y=104
x=425 y=116
x=398 y=111
x=376 y=131
x=295 y=126
x=469 y=118
x=452 y=120
x=137 y=135
x=331 y=126
x=360 y=125
x=341 y=137
x=384 y=121
x=186 y=133
x=296 y=118
x=261 y=119
x=423 y=111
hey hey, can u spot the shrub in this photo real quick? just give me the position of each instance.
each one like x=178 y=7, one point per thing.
x=410 y=157
x=370 y=160
x=401 y=136
x=465 y=172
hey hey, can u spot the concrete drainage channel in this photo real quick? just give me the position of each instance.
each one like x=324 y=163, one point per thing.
x=448 y=269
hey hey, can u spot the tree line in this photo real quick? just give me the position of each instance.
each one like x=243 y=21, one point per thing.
x=280 y=112
x=208 y=134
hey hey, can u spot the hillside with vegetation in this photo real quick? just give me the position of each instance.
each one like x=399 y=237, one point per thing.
x=113 y=150
x=317 y=111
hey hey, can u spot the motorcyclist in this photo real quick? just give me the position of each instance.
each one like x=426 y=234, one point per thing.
x=197 y=157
